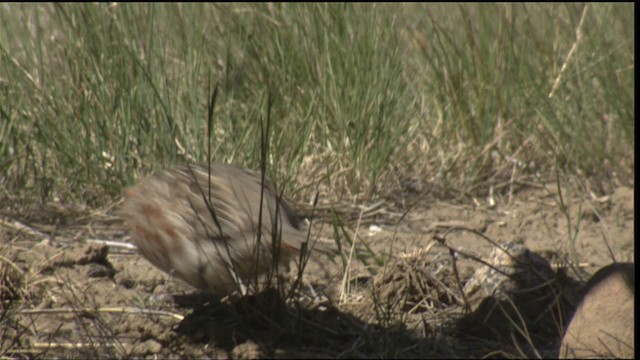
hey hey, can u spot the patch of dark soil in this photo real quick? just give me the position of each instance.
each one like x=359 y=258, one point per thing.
x=267 y=325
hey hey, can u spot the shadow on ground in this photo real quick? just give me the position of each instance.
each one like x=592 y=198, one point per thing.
x=263 y=325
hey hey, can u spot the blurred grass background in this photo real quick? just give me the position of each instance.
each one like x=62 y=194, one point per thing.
x=366 y=98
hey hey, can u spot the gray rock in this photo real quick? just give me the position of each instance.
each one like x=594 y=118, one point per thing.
x=603 y=324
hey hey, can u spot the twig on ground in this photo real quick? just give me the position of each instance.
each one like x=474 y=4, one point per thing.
x=112 y=310
x=16 y=225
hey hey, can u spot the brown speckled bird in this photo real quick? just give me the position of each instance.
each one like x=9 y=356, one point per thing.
x=212 y=244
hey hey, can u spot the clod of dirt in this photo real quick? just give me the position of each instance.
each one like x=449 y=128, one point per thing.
x=149 y=347
x=73 y=255
x=603 y=325
x=93 y=256
x=99 y=270
x=247 y=350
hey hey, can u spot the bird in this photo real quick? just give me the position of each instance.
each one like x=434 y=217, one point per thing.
x=215 y=226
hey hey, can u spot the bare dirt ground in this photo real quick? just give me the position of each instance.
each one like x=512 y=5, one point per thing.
x=437 y=288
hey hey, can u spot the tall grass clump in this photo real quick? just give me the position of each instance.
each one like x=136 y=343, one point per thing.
x=94 y=93
x=526 y=87
x=337 y=70
x=465 y=96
